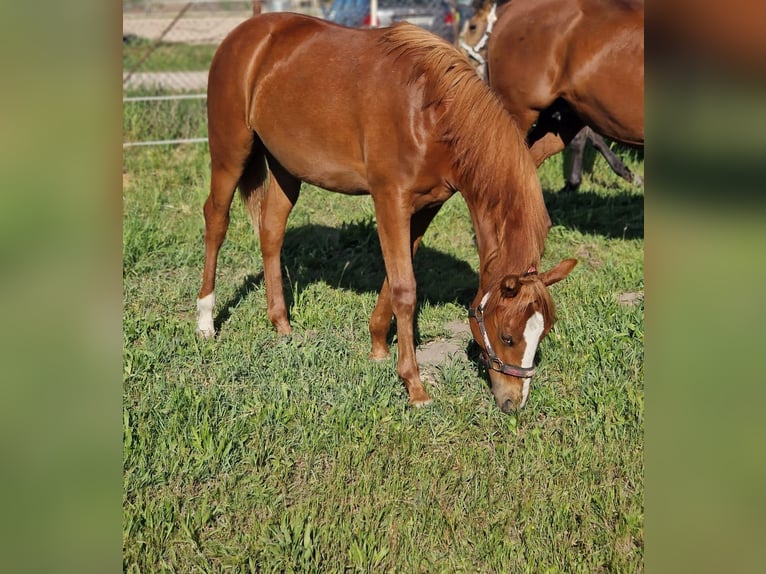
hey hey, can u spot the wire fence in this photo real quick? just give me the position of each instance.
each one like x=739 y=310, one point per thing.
x=168 y=45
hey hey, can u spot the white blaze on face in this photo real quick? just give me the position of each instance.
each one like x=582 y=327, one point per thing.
x=532 y=333
x=205 y=326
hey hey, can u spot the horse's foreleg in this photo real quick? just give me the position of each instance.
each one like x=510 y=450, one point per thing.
x=555 y=128
x=577 y=148
x=380 y=323
x=394 y=230
x=380 y=320
x=547 y=146
x=281 y=194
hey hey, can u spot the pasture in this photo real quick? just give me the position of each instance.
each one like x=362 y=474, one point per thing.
x=259 y=453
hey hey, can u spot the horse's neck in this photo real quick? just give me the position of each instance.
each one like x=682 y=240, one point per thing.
x=508 y=243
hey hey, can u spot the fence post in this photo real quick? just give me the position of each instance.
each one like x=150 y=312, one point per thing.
x=374 y=22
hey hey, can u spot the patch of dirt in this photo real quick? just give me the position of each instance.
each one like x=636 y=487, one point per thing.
x=436 y=352
x=626 y=299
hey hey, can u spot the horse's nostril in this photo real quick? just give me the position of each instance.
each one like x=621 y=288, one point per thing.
x=508 y=407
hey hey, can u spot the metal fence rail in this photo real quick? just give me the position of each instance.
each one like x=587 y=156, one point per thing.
x=148 y=25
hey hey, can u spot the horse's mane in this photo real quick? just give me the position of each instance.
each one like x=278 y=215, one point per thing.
x=536 y=295
x=490 y=153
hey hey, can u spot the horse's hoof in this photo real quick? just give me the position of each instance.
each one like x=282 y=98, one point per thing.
x=419 y=397
x=419 y=404
x=570 y=188
x=379 y=357
x=283 y=330
x=205 y=333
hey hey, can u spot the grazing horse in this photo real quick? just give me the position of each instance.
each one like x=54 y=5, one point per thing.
x=560 y=65
x=394 y=113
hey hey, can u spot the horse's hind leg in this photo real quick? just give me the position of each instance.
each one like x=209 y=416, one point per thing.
x=380 y=320
x=228 y=158
x=281 y=194
x=611 y=158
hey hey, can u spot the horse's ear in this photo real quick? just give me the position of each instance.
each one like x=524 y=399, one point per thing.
x=509 y=286
x=559 y=272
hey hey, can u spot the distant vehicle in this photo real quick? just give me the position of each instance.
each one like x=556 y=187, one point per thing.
x=437 y=16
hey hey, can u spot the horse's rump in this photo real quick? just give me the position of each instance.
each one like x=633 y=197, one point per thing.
x=588 y=53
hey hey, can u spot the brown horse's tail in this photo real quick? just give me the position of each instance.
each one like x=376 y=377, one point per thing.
x=252 y=187
x=256 y=7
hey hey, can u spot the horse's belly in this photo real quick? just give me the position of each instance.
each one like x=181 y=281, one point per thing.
x=321 y=161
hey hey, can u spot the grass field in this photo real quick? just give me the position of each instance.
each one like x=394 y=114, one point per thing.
x=254 y=452
x=166 y=56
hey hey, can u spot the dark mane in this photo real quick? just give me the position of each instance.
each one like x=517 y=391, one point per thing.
x=490 y=155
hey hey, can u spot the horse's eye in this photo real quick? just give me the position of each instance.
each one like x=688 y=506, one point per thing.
x=507 y=339
x=472 y=27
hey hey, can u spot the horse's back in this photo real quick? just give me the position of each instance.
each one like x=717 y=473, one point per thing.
x=322 y=98
x=297 y=52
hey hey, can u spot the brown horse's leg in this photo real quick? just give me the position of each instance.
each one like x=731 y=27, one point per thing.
x=393 y=218
x=380 y=321
x=547 y=146
x=555 y=128
x=281 y=195
x=228 y=159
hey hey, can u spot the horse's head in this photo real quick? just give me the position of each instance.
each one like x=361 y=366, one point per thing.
x=508 y=322
x=473 y=29
x=475 y=34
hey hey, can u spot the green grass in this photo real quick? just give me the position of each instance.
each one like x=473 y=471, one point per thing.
x=255 y=452
x=162 y=120
x=166 y=56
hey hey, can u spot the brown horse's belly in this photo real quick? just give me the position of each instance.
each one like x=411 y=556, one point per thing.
x=317 y=157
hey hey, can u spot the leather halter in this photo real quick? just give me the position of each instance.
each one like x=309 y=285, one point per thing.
x=492 y=361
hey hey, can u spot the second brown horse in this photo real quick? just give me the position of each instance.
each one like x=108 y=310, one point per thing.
x=559 y=65
x=393 y=113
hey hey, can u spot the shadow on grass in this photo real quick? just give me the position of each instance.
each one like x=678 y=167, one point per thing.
x=349 y=257
x=248 y=285
x=615 y=216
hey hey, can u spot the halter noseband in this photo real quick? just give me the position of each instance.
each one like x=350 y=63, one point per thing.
x=492 y=361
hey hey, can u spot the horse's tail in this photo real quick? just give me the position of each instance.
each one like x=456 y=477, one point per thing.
x=252 y=185
x=256 y=7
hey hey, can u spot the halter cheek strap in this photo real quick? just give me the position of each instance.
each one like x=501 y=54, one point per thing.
x=492 y=361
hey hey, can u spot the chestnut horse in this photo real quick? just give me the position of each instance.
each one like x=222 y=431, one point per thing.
x=560 y=65
x=394 y=113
